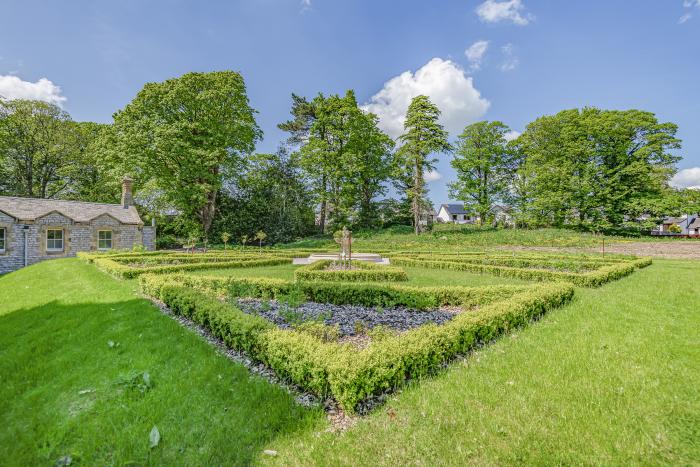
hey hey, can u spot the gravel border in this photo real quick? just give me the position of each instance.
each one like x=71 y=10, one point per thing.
x=352 y=320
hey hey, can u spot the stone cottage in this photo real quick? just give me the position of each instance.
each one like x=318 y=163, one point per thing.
x=33 y=230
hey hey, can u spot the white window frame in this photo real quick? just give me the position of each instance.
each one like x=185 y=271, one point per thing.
x=63 y=241
x=111 y=240
x=3 y=235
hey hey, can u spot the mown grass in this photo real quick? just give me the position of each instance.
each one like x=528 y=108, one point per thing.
x=416 y=276
x=610 y=379
x=450 y=237
x=66 y=391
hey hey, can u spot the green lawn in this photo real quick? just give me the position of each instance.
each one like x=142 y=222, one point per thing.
x=416 y=276
x=611 y=378
x=65 y=391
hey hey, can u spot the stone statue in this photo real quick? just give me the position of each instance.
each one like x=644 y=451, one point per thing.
x=344 y=237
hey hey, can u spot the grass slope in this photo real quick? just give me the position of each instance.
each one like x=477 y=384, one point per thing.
x=610 y=379
x=56 y=320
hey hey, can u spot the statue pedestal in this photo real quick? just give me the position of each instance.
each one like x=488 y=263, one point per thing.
x=371 y=257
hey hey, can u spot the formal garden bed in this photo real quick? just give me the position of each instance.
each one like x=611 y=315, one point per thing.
x=350 y=331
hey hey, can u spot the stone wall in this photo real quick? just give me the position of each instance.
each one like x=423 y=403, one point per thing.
x=76 y=237
x=149 y=238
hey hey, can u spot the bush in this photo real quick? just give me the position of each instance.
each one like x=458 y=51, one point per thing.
x=309 y=357
x=363 y=272
x=594 y=278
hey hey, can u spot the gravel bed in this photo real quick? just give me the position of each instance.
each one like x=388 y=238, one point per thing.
x=345 y=316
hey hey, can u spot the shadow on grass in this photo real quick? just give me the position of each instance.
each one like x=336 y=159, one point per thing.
x=91 y=380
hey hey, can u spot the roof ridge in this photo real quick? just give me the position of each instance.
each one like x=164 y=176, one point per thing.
x=26 y=198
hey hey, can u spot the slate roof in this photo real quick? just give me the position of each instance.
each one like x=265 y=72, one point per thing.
x=673 y=220
x=454 y=208
x=30 y=209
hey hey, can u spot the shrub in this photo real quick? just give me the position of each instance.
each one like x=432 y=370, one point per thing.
x=363 y=272
x=313 y=361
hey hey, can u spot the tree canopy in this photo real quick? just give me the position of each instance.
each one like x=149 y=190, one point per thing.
x=189 y=134
x=423 y=136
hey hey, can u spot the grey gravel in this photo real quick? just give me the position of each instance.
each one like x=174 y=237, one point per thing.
x=349 y=318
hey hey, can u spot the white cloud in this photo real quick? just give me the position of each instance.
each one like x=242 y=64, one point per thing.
x=475 y=53
x=493 y=11
x=305 y=5
x=432 y=176
x=511 y=135
x=12 y=87
x=447 y=86
x=510 y=61
x=688 y=15
x=687 y=178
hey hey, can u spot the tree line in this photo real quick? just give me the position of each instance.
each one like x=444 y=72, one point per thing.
x=189 y=144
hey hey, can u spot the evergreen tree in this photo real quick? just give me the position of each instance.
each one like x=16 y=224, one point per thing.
x=423 y=136
x=484 y=165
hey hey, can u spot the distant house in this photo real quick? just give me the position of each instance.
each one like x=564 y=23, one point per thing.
x=687 y=224
x=503 y=215
x=457 y=214
x=694 y=227
x=427 y=215
x=33 y=230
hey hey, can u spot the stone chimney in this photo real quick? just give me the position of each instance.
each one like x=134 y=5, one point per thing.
x=127 y=194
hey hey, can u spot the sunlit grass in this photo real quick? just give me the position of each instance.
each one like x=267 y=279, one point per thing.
x=74 y=346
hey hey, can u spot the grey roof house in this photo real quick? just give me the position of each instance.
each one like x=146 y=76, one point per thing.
x=33 y=230
x=457 y=214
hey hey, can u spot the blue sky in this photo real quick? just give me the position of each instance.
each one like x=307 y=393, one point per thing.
x=509 y=60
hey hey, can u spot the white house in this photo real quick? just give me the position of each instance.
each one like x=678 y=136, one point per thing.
x=503 y=215
x=687 y=224
x=455 y=213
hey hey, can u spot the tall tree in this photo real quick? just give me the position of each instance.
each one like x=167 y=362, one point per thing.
x=484 y=165
x=593 y=167
x=370 y=163
x=344 y=155
x=39 y=149
x=423 y=136
x=189 y=134
x=271 y=196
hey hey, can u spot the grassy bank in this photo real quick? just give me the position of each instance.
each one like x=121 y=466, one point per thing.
x=74 y=347
x=610 y=379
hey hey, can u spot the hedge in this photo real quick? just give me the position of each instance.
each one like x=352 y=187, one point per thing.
x=340 y=370
x=364 y=294
x=590 y=279
x=363 y=272
x=123 y=271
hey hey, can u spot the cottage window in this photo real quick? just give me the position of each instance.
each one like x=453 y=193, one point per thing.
x=104 y=240
x=54 y=240
x=454 y=217
x=3 y=235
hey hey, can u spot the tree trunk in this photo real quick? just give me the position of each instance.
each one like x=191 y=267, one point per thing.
x=417 y=189
x=324 y=204
x=207 y=213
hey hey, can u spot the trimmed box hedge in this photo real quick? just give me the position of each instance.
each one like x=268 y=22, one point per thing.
x=344 y=372
x=595 y=278
x=364 y=294
x=363 y=272
x=124 y=271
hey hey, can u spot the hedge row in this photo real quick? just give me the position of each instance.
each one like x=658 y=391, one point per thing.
x=123 y=271
x=370 y=295
x=589 y=279
x=363 y=272
x=342 y=371
x=563 y=265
